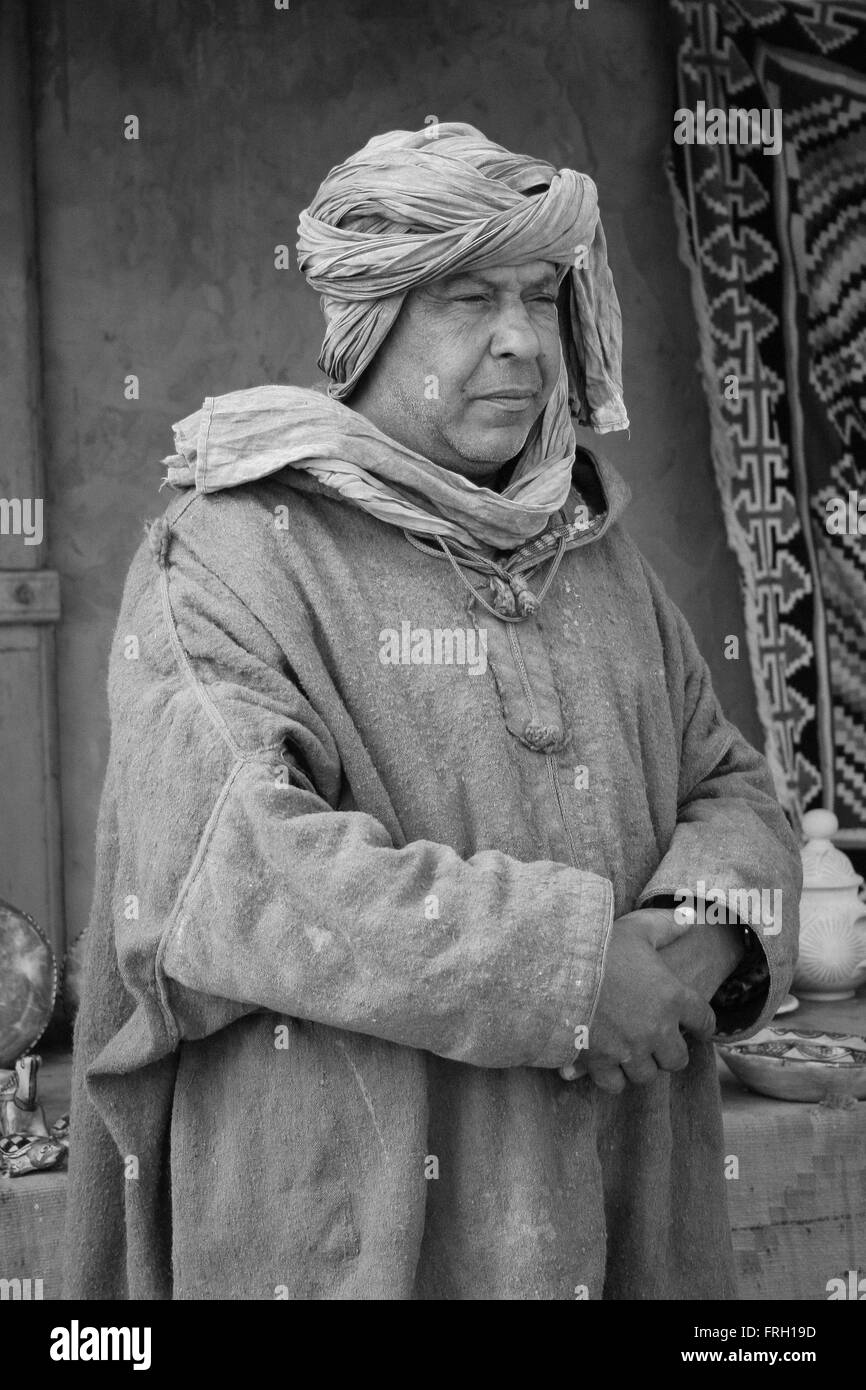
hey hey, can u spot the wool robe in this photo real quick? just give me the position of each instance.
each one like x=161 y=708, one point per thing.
x=349 y=914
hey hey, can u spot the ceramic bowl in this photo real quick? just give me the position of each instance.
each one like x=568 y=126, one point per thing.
x=800 y=1064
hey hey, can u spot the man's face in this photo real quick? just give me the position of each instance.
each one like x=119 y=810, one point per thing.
x=468 y=366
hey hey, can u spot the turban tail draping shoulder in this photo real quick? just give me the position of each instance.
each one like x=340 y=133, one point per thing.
x=415 y=205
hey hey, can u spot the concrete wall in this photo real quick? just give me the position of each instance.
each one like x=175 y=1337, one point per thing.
x=157 y=259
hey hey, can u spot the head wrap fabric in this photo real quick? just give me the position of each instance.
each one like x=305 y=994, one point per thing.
x=409 y=208
x=412 y=206
x=246 y=435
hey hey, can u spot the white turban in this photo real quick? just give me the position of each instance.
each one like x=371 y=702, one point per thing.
x=412 y=206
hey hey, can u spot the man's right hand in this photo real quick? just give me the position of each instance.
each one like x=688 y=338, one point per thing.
x=635 y=1031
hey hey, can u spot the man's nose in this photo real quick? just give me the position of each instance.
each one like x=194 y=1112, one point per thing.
x=513 y=333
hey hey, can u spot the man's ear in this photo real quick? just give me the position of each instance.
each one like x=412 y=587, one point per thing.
x=564 y=310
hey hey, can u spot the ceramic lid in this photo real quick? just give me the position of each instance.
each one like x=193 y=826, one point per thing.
x=825 y=866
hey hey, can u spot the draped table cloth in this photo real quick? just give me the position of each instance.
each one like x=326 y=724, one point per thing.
x=798 y=1205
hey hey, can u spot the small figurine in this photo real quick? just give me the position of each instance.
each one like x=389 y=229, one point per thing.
x=20 y=1112
x=29 y=1153
x=26 y=1146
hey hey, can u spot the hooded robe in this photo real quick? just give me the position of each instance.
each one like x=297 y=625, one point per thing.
x=365 y=829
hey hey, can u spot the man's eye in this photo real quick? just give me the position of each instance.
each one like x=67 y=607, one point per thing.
x=482 y=299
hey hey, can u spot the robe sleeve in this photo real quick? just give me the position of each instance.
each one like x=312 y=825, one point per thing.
x=314 y=913
x=281 y=901
x=732 y=841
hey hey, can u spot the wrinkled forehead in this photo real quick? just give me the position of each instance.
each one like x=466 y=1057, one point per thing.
x=525 y=275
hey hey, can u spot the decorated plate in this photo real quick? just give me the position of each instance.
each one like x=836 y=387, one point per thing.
x=28 y=980
x=800 y=1063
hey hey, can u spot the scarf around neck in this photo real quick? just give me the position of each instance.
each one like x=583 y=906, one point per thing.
x=246 y=435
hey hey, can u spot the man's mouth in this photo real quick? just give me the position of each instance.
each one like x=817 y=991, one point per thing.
x=512 y=398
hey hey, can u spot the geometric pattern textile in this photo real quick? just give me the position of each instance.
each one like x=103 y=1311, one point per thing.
x=776 y=249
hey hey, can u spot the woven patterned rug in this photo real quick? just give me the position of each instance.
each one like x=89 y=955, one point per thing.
x=776 y=247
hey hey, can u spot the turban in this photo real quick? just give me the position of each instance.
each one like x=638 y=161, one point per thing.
x=412 y=206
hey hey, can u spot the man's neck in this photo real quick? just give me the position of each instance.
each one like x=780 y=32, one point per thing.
x=500 y=480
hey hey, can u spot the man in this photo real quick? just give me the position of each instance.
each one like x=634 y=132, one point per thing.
x=412 y=760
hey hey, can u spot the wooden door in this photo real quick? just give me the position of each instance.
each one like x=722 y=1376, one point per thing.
x=30 y=856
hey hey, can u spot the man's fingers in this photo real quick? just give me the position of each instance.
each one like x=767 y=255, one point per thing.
x=572 y=1071
x=661 y=926
x=697 y=1017
x=640 y=1073
x=607 y=1076
x=673 y=1054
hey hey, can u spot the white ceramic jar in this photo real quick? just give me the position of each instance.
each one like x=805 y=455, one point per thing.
x=832 y=959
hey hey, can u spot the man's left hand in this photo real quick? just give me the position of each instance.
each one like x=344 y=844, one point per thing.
x=702 y=957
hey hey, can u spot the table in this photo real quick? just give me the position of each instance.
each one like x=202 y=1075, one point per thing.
x=33 y=1207
x=798 y=1206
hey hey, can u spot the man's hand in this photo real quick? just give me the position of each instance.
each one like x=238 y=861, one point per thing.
x=704 y=956
x=641 y=1006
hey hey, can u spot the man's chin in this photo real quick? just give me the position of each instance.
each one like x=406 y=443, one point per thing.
x=488 y=450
